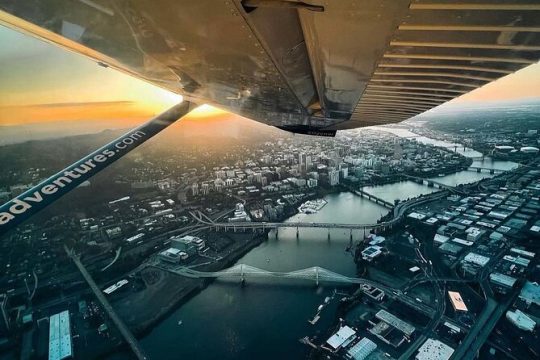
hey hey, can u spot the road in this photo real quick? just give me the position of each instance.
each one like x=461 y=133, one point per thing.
x=482 y=328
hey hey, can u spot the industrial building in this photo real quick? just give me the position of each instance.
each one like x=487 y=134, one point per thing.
x=188 y=244
x=172 y=255
x=502 y=280
x=476 y=259
x=343 y=337
x=521 y=320
x=60 y=346
x=361 y=349
x=391 y=329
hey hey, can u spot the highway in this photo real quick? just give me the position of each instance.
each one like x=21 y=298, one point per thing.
x=126 y=333
x=482 y=328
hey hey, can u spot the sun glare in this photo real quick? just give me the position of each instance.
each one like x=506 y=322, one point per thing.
x=206 y=110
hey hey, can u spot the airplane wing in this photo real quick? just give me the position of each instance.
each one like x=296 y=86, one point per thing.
x=308 y=66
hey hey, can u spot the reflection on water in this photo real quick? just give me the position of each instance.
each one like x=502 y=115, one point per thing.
x=399 y=191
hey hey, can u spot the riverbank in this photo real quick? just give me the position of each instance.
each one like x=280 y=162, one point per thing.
x=165 y=292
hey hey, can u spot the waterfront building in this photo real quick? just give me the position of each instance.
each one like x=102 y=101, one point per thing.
x=371 y=252
x=343 y=337
x=172 y=255
x=189 y=244
x=361 y=349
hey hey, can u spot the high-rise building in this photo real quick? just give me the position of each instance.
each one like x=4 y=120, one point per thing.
x=333 y=177
x=205 y=188
x=219 y=184
x=195 y=189
x=302 y=163
x=398 y=151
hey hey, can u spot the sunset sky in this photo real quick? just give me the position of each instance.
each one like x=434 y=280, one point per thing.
x=41 y=83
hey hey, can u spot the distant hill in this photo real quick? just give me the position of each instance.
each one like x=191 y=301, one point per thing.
x=190 y=129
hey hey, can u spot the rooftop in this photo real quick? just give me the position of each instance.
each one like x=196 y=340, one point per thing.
x=434 y=350
x=396 y=322
x=60 y=336
x=361 y=349
x=340 y=337
x=530 y=293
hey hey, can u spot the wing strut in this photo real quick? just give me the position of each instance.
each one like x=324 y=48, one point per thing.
x=48 y=191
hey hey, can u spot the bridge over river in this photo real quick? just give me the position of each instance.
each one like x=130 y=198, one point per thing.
x=398 y=212
x=316 y=274
x=313 y=274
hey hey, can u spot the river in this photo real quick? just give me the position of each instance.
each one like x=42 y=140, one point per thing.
x=265 y=320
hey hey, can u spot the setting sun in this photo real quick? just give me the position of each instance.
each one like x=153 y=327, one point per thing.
x=205 y=111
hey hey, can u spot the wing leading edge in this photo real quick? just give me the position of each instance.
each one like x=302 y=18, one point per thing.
x=292 y=64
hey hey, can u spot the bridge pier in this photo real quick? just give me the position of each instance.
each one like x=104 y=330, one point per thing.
x=297 y=233
x=277 y=232
x=329 y=234
x=317 y=276
x=350 y=236
x=492 y=171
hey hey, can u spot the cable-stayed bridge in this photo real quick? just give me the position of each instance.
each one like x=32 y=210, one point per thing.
x=316 y=274
x=243 y=271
